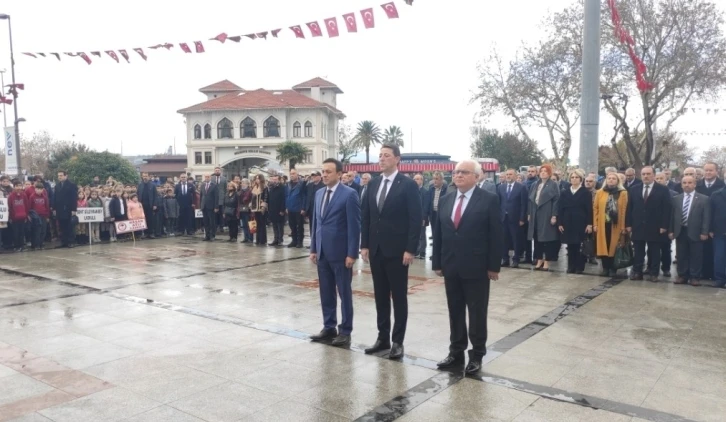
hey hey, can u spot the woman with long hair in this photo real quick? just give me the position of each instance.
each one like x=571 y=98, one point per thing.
x=575 y=220
x=542 y=216
x=258 y=206
x=245 y=197
x=609 y=210
x=231 y=210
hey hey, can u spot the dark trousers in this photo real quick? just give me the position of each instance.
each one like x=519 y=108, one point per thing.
x=261 y=220
x=434 y=220
x=690 y=257
x=666 y=258
x=210 y=226
x=708 y=259
x=390 y=281
x=575 y=259
x=462 y=294
x=150 y=217
x=7 y=237
x=18 y=228
x=653 y=257
x=422 y=242
x=186 y=220
x=220 y=218
x=297 y=227
x=38 y=234
x=171 y=224
x=67 y=233
x=719 y=260
x=278 y=228
x=511 y=239
x=526 y=245
x=333 y=275
x=233 y=225
x=245 y=223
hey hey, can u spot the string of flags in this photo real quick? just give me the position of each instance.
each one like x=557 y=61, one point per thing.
x=12 y=91
x=367 y=16
x=699 y=110
x=625 y=38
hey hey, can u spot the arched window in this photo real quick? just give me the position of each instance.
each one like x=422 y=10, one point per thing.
x=308 y=130
x=207 y=131
x=224 y=129
x=248 y=127
x=272 y=128
x=197 y=132
x=296 y=130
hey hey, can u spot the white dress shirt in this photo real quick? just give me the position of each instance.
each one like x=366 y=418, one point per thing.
x=325 y=193
x=467 y=197
x=648 y=186
x=390 y=179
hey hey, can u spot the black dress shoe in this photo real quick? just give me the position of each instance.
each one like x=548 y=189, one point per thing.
x=515 y=265
x=378 y=346
x=473 y=367
x=396 y=351
x=450 y=362
x=325 y=334
x=341 y=341
x=505 y=264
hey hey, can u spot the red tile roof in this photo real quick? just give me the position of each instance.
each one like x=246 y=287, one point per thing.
x=318 y=83
x=221 y=86
x=260 y=99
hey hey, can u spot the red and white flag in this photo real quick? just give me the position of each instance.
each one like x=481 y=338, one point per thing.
x=236 y=38
x=41 y=54
x=390 y=9
x=96 y=53
x=85 y=57
x=168 y=46
x=113 y=55
x=221 y=37
x=367 y=15
x=350 y=22
x=262 y=35
x=198 y=46
x=185 y=47
x=141 y=53
x=31 y=55
x=298 y=31
x=332 y=25
x=251 y=36
x=315 y=29
x=5 y=100
x=274 y=32
x=125 y=55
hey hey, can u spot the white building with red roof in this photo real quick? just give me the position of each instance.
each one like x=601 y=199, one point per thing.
x=238 y=129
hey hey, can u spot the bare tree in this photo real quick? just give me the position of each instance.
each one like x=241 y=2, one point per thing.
x=347 y=145
x=715 y=154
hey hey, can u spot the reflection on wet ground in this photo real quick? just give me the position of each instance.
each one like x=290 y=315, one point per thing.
x=184 y=330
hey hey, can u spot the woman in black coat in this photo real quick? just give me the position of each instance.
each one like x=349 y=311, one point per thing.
x=575 y=211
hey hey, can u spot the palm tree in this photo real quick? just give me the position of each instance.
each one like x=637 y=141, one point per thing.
x=368 y=134
x=393 y=136
x=292 y=151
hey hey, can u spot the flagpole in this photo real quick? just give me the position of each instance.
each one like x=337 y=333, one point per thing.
x=2 y=83
x=15 y=103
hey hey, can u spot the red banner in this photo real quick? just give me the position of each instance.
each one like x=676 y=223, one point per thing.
x=626 y=39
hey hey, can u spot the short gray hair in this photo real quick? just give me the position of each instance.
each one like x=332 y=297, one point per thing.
x=610 y=170
x=477 y=166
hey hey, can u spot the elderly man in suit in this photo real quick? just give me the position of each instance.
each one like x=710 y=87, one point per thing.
x=690 y=227
x=708 y=186
x=513 y=197
x=718 y=237
x=209 y=203
x=467 y=253
x=392 y=217
x=334 y=249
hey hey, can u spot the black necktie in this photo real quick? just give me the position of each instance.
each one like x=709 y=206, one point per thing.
x=382 y=197
x=327 y=201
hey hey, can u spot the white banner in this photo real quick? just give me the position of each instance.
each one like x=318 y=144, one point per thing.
x=11 y=149
x=198 y=214
x=90 y=215
x=129 y=226
x=4 y=210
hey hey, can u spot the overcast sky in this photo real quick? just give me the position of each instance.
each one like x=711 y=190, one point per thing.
x=417 y=72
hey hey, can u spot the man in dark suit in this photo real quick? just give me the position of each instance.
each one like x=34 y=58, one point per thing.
x=513 y=199
x=348 y=180
x=312 y=187
x=184 y=193
x=707 y=186
x=467 y=252
x=717 y=233
x=64 y=207
x=276 y=204
x=209 y=202
x=630 y=179
x=364 y=180
x=437 y=190
x=334 y=249
x=221 y=183
x=425 y=201
x=670 y=183
x=648 y=220
x=148 y=196
x=392 y=218
x=690 y=227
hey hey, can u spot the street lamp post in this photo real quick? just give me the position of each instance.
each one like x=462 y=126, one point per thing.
x=15 y=103
x=2 y=83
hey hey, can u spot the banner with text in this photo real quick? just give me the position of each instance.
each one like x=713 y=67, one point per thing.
x=198 y=214
x=90 y=215
x=11 y=149
x=4 y=211
x=129 y=226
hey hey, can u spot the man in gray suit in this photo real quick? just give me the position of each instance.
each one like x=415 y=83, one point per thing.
x=689 y=227
x=221 y=183
x=209 y=203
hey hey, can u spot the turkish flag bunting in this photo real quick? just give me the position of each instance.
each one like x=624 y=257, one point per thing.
x=31 y=55
x=41 y=54
x=85 y=57
x=236 y=38
x=390 y=10
x=5 y=100
x=350 y=22
x=274 y=32
x=298 y=31
x=154 y=47
x=221 y=37
x=262 y=35
x=168 y=46
x=111 y=54
x=125 y=55
x=96 y=53
x=409 y=2
x=57 y=56
x=367 y=15
x=332 y=25
x=185 y=48
x=141 y=53
x=251 y=36
x=198 y=45
x=18 y=86
x=71 y=54
x=315 y=29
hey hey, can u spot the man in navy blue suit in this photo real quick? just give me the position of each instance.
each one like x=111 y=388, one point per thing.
x=334 y=249
x=513 y=202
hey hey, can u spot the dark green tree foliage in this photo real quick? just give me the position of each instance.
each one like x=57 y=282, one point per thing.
x=62 y=152
x=292 y=151
x=82 y=167
x=511 y=150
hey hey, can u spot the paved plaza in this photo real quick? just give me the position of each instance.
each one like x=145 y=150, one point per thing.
x=183 y=330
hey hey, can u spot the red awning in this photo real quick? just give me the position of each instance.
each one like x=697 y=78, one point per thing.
x=416 y=167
